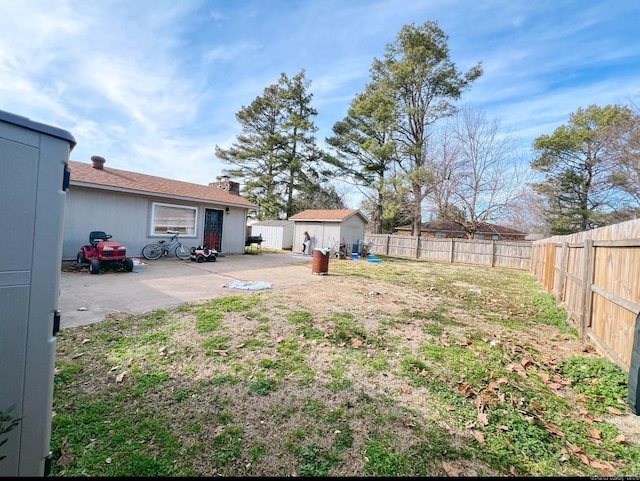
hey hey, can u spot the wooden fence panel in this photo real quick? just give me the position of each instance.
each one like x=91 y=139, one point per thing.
x=507 y=254
x=595 y=278
x=512 y=255
x=435 y=250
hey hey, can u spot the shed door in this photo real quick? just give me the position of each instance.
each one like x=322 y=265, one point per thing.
x=213 y=229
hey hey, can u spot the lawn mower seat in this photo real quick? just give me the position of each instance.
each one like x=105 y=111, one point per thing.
x=96 y=236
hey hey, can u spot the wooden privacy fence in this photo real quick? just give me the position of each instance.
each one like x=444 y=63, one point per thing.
x=509 y=254
x=594 y=275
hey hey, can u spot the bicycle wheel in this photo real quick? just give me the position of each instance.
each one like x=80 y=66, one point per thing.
x=182 y=252
x=152 y=251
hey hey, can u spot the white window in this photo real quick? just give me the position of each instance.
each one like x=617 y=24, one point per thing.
x=180 y=218
x=478 y=236
x=495 y=237
x=441 y=235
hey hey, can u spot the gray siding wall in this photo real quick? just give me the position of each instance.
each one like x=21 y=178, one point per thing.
x=353 y=229
x=274 y=236
x=127 y=217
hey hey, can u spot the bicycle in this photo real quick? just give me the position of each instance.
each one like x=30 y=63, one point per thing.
x=157 y=249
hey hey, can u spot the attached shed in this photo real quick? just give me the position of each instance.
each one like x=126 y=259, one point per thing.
x=276 y=234
x=329 y=229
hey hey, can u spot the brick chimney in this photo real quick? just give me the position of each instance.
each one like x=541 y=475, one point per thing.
x=227 y=185
x=98 y=162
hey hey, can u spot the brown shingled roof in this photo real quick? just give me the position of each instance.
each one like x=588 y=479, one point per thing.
x=115 y=179
x=327 y=214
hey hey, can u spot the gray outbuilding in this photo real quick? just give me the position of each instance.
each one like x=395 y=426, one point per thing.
x=34 y=179
x=276 y=234
x=330 y=229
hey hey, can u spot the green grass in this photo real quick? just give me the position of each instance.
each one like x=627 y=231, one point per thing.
x=451 y=383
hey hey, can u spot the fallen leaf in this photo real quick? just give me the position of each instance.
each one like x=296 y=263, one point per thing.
x=75 y=356
x=554 y=430
x=478 y=436
x=450 y=469
x=466 y=389
x=620 y=439
x=483 y=419
x=584 y=458
x=406 y=389
x=65 y=459
x=513 y=472
x=614 y=411
x=84 y=341
x=503 y=427
x=526 y=362
x=121 y=376
x=536 y=406
x=603 y=466
x=595 y=433
x=356 y=343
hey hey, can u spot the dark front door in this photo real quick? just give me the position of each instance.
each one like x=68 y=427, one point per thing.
x=213 y=229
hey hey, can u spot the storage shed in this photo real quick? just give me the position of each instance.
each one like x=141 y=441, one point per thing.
x=276 y=234
x=329 y=229
x=34 y=179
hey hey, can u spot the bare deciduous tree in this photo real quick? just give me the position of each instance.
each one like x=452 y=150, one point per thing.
x=480 y=173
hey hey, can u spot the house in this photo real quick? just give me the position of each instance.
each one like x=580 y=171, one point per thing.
x=137 y=209
x=440 y=229
x=329 y=229
x=276 y=234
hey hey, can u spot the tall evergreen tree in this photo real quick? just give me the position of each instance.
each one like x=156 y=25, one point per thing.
x=276 y=154
x=579 y=161
x=423 y=82
x=364 y=146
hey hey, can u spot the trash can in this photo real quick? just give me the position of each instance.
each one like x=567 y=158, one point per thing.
x=320 y=264
x=34 y=178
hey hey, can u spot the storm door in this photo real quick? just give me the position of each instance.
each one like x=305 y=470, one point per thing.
x=213 y=229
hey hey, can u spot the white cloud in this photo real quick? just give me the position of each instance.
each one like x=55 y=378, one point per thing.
x=154 y=85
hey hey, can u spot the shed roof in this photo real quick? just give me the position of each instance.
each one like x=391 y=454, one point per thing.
x=327 y=215
x=83 y=174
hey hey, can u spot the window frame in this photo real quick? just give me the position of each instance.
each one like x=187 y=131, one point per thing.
x=153 y=226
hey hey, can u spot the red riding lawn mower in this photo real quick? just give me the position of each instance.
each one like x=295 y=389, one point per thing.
x=101 y=253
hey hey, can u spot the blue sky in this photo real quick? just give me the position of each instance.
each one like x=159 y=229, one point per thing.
x=153 y=85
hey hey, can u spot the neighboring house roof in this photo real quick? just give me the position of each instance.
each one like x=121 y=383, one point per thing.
x=86 y=175
x=447 y=226
x=274 y=223
x=327 y=215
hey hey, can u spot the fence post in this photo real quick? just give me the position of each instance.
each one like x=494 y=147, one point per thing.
x=493 y=253
x=387 y=247
x=418 y=247
x=451 y=251
x=586 y=285
x=563 y=271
